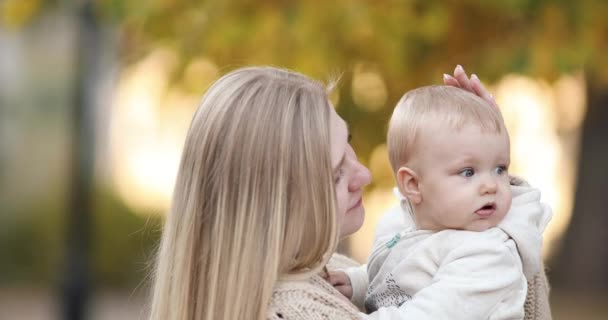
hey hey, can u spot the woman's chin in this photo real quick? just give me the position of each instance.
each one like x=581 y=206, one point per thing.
x=352 y=222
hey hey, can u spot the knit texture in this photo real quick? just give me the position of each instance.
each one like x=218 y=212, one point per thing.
x=309 y=299
x=537 y=305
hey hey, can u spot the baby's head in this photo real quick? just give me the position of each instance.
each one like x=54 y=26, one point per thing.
x=449 y=151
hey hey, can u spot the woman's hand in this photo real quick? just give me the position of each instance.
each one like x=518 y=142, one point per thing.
x=473 y=84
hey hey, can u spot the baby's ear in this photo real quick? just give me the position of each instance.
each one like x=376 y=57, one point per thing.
x=407 y=180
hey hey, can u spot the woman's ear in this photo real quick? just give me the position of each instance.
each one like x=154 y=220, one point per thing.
x=408 y=180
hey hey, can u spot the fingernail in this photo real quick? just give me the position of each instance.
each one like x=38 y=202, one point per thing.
x=474 y=76
x=459 y=67
x=446 y=76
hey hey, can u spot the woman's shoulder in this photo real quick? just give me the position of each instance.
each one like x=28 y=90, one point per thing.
x=339 y=261
x=309 y=299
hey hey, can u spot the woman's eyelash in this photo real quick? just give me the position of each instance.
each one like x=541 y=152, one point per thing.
x=339 y=176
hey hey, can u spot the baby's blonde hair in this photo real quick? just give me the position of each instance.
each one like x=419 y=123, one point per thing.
x=434 y=107
x=254 y=199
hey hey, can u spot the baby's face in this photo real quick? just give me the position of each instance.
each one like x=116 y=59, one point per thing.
x=464 y=182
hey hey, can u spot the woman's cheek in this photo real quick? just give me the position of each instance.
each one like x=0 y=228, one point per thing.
x=342 y=199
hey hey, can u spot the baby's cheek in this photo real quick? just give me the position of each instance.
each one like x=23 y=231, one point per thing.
x=508 y=201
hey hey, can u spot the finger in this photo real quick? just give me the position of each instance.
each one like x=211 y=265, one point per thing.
x=481 y=91
x=335 y=280
x=450 y=81
x=462 y=78
x=347 y=291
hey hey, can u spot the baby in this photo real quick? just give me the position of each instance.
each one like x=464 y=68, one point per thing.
x=450 y=250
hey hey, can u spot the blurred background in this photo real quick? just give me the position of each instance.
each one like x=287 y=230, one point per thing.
x=96 y=98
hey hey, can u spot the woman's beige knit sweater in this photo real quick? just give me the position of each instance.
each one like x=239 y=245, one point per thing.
x=314 y=298
x=311 y=299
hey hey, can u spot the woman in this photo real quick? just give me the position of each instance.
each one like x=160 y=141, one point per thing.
x=267 y=185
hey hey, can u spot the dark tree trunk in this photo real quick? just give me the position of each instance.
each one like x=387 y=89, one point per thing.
x=76 y=284
x=582 y=262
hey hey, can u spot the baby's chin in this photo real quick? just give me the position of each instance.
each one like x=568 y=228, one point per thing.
x=481 y=225
x=484 y=224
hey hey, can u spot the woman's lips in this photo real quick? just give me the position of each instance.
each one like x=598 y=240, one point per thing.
x=356 y=205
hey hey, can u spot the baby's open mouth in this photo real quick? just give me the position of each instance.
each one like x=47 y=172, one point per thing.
x=488 y=206
x=487 y=210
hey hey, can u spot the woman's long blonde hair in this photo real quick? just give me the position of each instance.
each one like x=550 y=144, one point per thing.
x=254 y=200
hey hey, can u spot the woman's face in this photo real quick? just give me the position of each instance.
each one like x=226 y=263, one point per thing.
x=350 y=176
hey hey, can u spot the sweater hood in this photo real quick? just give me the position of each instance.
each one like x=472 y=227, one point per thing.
x=525 y=223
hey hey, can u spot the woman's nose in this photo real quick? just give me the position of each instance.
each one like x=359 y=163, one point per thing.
x=361 y=177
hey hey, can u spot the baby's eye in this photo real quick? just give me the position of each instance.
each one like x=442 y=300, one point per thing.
x=500 y=170
x=467 y=172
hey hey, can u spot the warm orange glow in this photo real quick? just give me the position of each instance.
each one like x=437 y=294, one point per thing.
x=150 y=118
x=199 y=74
x=15 y=13
x=376 y=202
x=544 y=122
x=380 y=167
x=368 y=89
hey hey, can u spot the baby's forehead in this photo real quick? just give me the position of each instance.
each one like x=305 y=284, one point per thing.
x=470 y=141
